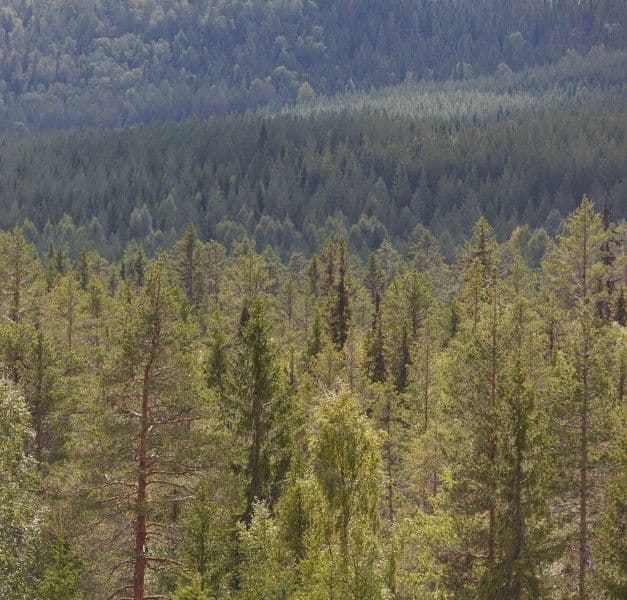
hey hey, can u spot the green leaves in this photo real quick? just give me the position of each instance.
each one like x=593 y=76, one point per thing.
x=19 y=508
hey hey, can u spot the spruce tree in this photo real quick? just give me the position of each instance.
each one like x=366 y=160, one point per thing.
x=187 y=257
x=339 y=310
x=258 y=399
x=374 y=346
x=61 y=576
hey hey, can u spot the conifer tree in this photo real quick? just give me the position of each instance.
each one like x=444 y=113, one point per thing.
x=611 y=545
x=374 y=346
x=82 y=269
x=206 y=548
x=19 y=273
x=42 y=385
x=60 y=579
x=143 y=447
x=314 y=345
x=19 y=279
x=577 y=274
x=216 y=365
x=214 y=254
x=67 y=296
x=524 y=544
x=477 y=359
x=258 y=399
x=338 y=300
x=187 y=257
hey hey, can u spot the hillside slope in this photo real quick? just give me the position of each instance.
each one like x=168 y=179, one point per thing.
x=103 y=63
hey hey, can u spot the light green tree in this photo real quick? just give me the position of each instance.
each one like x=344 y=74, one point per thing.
x=20 y=511
x=577 y=276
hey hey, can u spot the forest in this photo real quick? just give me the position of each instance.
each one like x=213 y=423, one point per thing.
x=69 y=63
x=522 y=149
x=313 y=300
x=211 y=424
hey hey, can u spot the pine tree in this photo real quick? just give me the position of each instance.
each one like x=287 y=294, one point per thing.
x=576 y=271
x=19 y=280
x=19 y=274
x=67 y=296
x=144 y=442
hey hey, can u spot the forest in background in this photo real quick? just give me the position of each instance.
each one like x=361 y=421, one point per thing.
x=76 y=63
x=518 y=149
x=210 y=424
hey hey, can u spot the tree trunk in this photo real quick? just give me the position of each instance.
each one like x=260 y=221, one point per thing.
x=140 y=509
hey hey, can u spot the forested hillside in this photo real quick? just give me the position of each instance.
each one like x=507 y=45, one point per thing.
x=518 y=150
x=210 y=424
x=70 y=63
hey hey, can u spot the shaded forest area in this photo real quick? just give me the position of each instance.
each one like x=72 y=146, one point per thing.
x=212 y=425
x=293 y=180
x=66 y=63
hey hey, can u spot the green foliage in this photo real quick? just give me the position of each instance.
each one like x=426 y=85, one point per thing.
x=102 y=65
x=439 y=157
x=257 y=401
x=191 y=592
x=61 y=577
x=201 y=430
x=612 y=547
x=19 y=506
x=260 y=571
x=206 y=542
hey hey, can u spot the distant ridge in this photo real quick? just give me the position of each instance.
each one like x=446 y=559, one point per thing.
x=105 y=63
